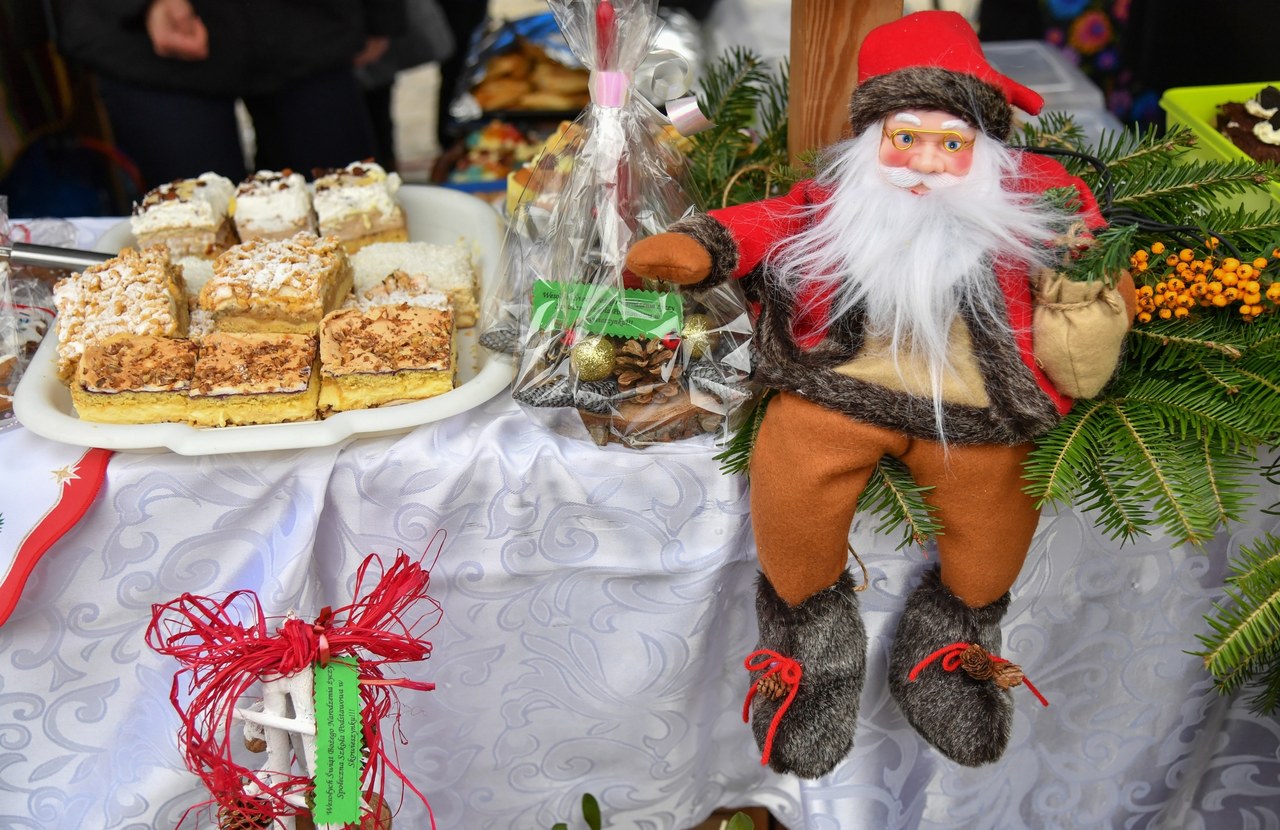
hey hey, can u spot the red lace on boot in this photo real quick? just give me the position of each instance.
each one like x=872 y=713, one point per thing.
x=979 y=664
x=781 y=677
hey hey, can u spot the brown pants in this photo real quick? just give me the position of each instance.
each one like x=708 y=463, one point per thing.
x=810 y=465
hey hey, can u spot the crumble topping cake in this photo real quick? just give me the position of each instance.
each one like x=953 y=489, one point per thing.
x=254 y=378
x=273 y=205
x=134 y=379
x=385 y=354
x=423 y=266
x=357 y=204
x=137 y=292
x=191 y=217
x=286 y=285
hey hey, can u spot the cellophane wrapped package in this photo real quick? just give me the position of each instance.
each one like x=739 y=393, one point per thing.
x=603 y=354
x=26 y=303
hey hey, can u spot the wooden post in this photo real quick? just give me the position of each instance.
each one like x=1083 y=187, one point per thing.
x=825 y=35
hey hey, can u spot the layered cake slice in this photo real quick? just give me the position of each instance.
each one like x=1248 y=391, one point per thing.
x=357 y=204
x=253 y=378
x=423 y=266
x=137 y=292
x=134 y=379
x=386 y=354
x=284 y=286
x=273 y=205
x=191 y=217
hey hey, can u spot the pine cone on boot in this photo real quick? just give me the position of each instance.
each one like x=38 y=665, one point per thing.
x=232 y=817
x=641 y=366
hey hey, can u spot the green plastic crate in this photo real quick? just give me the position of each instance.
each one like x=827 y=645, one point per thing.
x=1195 y=107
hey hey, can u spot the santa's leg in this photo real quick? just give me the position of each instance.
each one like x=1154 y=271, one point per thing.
x=958 y=701
x=808 y=468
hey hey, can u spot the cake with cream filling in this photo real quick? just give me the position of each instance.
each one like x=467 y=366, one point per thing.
x=284 y=285
x=378 y=355
x=273 y=205
x=254 y=378
x=357 y=204
x=136 y=292
x=1254 y=125
x=134 y=379
x=423 y=266
x=191 y=217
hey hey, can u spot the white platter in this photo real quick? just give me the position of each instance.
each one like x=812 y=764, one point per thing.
x=43 y=404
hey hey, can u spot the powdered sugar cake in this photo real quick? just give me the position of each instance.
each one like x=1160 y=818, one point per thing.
x=277 y=285
x=134 y=379
x=254 y=378
x=191 y=217
x=273 y=205
x=377 y=354
x=423 y=266
x=357 y=204
x=136 y=292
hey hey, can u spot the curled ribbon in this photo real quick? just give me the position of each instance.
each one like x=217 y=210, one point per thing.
x=950 y=658
x=774 y=665
x=663 y=75
x=222 y=657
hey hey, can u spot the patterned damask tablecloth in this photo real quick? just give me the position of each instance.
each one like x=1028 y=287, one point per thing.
x=597 y=606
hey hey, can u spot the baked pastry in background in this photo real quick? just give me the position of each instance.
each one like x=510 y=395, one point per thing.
x=134 y=379
x=191 y=217
x=254 y=378
x=1254 y=125
x=357 y=204
x=136 y=292
x=421 y=267
x=273 y=205
x=284 y=286
x=386 y=354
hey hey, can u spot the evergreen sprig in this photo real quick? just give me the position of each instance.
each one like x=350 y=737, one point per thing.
x=742 y=157
x=1243 y=650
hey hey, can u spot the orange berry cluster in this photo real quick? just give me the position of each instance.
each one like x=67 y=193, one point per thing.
x=1172 y=284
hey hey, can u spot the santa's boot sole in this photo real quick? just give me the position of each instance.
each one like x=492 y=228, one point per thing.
x=825 y=636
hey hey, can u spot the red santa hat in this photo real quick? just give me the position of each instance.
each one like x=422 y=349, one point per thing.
x=933 y=60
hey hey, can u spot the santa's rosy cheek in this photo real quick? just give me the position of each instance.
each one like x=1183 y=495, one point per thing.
x=958 y=164
x=892 y=156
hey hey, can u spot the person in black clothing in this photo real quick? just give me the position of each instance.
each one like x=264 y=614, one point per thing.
x=169 y=73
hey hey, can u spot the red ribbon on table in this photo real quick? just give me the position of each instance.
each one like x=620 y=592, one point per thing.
x=222 y=658
x=784 y=669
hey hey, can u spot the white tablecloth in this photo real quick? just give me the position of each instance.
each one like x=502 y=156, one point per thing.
x=597 y=607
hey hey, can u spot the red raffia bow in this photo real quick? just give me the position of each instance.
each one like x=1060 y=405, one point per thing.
x=783 y=668
x=950 y=658
x=222 y=658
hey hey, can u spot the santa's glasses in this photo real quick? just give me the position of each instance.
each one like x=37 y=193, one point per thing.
x=904 y=138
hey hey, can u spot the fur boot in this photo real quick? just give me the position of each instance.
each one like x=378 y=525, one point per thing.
x=825 y=635
x=967 y=720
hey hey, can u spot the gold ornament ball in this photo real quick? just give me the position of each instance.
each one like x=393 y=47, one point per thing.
x=698 y=334
x=592 y=358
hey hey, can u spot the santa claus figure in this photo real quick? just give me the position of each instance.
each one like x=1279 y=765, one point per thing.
x=911 y=304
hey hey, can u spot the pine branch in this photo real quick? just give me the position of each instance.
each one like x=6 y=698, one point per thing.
x=1244 y=647
x=892 y=495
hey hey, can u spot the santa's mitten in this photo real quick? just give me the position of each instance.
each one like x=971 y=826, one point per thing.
x=674 y=257
x=946 y=674
x=1078 y=329
x=807 y=674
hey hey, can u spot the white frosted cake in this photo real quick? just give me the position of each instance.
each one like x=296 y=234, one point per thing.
x=423 y=266
x=357 y=204
x=273 y=205
x=191 y=217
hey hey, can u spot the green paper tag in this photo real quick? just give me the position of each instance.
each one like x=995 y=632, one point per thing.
x=598 y=309
x=339 y=744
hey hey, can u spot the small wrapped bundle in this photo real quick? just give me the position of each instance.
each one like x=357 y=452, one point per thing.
x=602 y=353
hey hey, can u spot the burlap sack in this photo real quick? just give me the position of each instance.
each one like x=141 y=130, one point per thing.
x=1078 y=329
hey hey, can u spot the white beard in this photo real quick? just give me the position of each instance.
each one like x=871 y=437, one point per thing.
x=912 y=261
